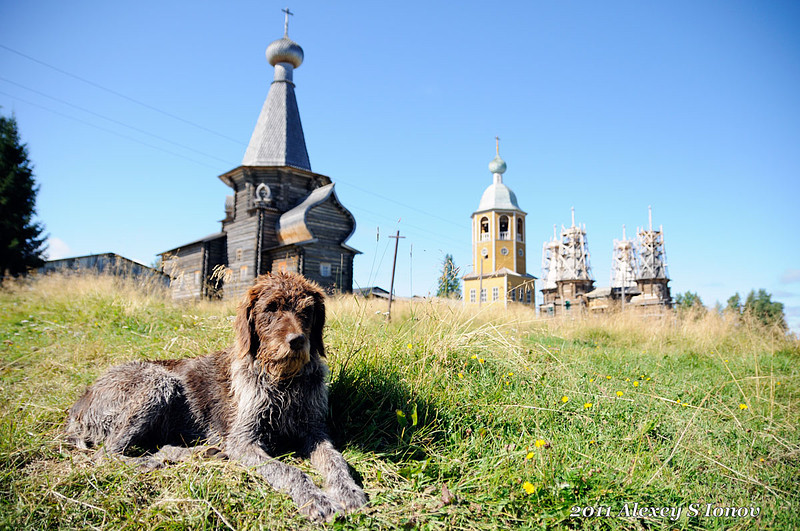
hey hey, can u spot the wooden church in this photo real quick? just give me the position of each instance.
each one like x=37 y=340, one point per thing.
x=498 y=246
x=281 y=216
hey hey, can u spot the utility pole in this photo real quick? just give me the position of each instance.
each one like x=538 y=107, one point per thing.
x=625 y=268
x=411 y=270
x=394 y=266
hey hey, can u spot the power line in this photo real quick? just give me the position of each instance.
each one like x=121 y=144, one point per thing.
x=119 y=94
x=398 y=202
x=109 y=131
x=112 y=120
x=173 y=116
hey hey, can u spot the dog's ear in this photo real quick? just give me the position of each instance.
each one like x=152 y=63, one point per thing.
x=246 y=339
x=319 y=325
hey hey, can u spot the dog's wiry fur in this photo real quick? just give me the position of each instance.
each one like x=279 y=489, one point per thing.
x=264 y=395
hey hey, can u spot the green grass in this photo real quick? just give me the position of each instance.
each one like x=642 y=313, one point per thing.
x=441 y=396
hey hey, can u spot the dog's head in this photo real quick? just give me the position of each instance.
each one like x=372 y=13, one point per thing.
x=279 y=323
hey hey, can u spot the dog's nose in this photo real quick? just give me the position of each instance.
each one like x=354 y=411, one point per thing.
x=296 y=341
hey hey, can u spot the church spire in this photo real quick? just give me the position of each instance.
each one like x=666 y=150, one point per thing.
x=278 y=138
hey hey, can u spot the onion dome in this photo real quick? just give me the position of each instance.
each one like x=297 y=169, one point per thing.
x=285 y=50
x=497 y=165
x=498 y=196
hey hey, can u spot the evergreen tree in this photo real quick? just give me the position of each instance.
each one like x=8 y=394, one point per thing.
x=688 y=300
x=21 y=240
x=734 y=303
x=761 y=306
x=449 y=284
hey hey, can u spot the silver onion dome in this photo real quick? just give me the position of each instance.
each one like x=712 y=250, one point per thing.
x=285 y=50
x=497 y=165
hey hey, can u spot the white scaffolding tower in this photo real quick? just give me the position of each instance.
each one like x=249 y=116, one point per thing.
x=551 y=263
x=623 y=263
x=574 y=253
x=652 y=257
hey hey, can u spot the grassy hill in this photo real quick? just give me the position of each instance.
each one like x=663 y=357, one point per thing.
x=453 y=418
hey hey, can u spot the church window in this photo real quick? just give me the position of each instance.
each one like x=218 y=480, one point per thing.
x=520 y=228
x=521 y=252
x=197 y=278
x=519 y=294
x=528 y=296
x=504 y=233
x=325 y=269
x=242 y=272
x=484 y=229
x=504 y=251
x=485 y=252
x=483 y=295
x=513 y=295
x=472 y=295
x=495 y=294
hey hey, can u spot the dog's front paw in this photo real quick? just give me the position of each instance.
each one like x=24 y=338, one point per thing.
x=349 y=495
x=319 y=507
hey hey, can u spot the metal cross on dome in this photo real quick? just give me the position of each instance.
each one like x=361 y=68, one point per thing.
x=286 y=22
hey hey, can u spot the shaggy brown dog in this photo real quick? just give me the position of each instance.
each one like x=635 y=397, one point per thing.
x=263 y=396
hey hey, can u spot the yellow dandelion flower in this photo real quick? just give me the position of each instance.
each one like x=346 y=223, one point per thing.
x=685 y=404
x=777 y=383
x=742 y=406
x=591 y=442
x=410 y=346
x=620 y=393
x=726 y=361
x=636 y=384
x=647 y=379
x=678 y=401
x=627 y=379
x=474 y=356
x=511 y=374
x=529 y=456
x=761 y=460
x=539 y=443
x=608 y=377
x=565 y=399
x=529 y=488
x=591 y=380
x=481 y=360
x=587 y=405
x=461 y=375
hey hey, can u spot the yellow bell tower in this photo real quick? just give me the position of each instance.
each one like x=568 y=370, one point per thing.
x=498 y=246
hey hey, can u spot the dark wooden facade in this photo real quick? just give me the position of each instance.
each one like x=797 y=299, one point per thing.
x=278 y=218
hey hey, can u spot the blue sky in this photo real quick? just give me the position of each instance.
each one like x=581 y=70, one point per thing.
x=691 y=107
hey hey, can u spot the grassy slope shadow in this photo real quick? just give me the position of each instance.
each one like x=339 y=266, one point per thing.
x=365 y=402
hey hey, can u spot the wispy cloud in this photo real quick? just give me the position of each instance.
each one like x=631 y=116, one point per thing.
x=784 y=294
x=790 y=276
x=57 y=248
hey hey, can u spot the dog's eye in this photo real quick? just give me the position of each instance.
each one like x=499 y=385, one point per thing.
x=272 y=307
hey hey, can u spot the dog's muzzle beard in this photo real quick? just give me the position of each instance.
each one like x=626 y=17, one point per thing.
x=286 y=359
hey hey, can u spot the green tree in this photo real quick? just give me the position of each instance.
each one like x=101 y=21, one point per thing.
x=21 y=240
x=449 y=284
x=734 y=303
x=761 y=306
x=688 y=300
